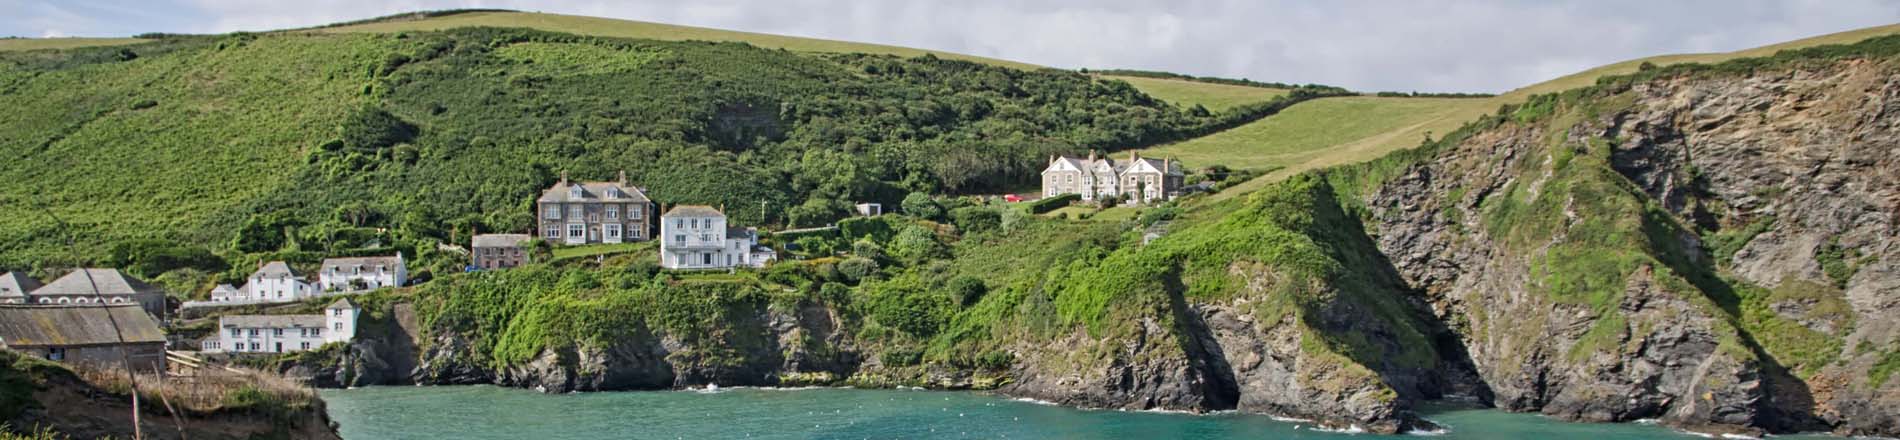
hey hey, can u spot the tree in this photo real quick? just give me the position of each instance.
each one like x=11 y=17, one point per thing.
x=858 y=269
x=920 y=205
x=866 y=248
x=976 y=219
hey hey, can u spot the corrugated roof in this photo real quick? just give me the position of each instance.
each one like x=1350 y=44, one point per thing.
x=693 y=211
x=60 y=326
x=17 y=284
x=498 y=240
x=593 y=192
x=270 y=321
x=108 y=282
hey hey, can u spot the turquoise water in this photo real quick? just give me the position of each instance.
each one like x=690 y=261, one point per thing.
x=486 y=412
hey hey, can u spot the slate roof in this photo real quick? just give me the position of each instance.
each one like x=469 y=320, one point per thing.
x=109 y=282
x=733 y=232
x=693 y=211
x=17 y=284
x=367 y=262
x=593 y=192
x=274 y=269
x=66 y=326
x=270 y=321
x=341 y=303
x=498 y=240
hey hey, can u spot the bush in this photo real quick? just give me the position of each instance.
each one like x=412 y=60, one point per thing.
x=915 y=245
x=976 y=219
x=858 y=269
x=866 y=248
x=1052 y=203
x=967 y=290
x=875 y=228
x=902 y=357
x=815 y=246
x=920 y=205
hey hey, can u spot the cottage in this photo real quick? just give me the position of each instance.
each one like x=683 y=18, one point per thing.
x=224 y=292
x=1139 y=180
x=594 y=212
x=15 y=286
x=696 y=237
x=100 y=286
x=498 y=251
x=284 y=333
x=276 y=282
x=85 y=334
x=362 y=273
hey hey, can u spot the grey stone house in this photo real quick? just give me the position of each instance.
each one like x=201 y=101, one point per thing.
x=100 y=286
x=84 y=334
x=498 y=251
x=1137 y=180
x=593 y=212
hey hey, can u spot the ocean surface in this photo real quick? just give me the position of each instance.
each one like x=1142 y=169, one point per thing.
x=487 y=412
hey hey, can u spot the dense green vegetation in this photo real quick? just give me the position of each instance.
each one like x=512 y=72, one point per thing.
x=305 y=145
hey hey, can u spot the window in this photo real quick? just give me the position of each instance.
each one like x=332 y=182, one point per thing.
x=677 y=223
x=574 y=212
x=253 y=333
x=316 y=332
x=56 y=353
x=554 y=232
x=633 y=211
x=576 y=230
x=278 y=332
x=237 y=333
x=613 y=212
x=306 y=345
x=612 y=230
x=337 y=326
x=256 y=346
x=552 y=211
x=681 y=238
x=706 y=258
x=336 y=312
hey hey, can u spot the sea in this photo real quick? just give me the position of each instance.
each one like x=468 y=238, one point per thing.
x=488 y=412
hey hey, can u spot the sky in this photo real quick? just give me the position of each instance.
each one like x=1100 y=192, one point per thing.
x=1401 y=45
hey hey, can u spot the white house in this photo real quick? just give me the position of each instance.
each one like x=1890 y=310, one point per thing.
x=362 y=273
x=1137 y=180
x=696 y=237
x=276 y=282
x=284 y=333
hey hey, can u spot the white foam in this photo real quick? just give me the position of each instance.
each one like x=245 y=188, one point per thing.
x=1035 y=401
x=1353 y=429
x=1284 y=419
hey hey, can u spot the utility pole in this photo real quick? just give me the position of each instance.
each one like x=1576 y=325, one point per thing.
x=761 y=212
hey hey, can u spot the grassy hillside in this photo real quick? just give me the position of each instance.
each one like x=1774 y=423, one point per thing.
x=324 y=143
x=609 y=27
x=1214 y=97
x=13 y=44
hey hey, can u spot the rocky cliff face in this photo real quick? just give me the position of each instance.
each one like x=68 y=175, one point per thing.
x=1716 y=251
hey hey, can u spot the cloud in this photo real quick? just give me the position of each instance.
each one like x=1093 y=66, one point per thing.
x=1445 y=45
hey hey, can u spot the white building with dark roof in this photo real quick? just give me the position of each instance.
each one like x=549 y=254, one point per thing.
x=593 y=212
x=100 y=286
x=284 y=333
x=1137 y=180
x=697 y=237
x=362 y=273
x=276 y=282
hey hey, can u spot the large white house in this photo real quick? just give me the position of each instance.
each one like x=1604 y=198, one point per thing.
x=284 y=333
x=272 y=282
x=1137 y=180
x=696 y=237
x=362 y=273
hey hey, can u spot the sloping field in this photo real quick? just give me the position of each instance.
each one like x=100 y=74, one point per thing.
x=60 y=43
x=609 y=27
x=1184 y=93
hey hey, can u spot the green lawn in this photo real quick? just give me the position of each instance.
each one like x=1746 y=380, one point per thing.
x=567 y=252
x=1184 y=93
x=608 y=27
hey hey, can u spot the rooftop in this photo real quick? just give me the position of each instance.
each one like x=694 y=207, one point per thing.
x=499 y=240
x=102 y=282
x=274 y=269
x=593 y=192
x=693 y=211
x=271 y=321
x=341 y=303
x=17 y=284
x=362 y=261
x=44 y=326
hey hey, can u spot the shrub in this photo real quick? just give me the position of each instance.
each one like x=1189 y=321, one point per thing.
x=1052 y=203
x=901 y=357
x=915 y=245
x=866 y=248
x=976 y=219
x=858 y=269
x=921 y=206
x=967 y=290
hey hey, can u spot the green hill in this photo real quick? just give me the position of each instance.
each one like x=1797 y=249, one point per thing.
x=348 y=140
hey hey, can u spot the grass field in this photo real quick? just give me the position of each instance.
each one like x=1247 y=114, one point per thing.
x=8 y=44
x=567 y=252
x=1184 y=93
x=609 y=27
x=1307 y=130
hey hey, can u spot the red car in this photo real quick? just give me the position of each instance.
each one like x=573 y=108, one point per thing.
x=1012 y=198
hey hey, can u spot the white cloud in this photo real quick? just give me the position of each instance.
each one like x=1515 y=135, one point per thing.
x=1452 y=45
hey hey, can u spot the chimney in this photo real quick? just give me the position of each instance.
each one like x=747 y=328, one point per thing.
x=563 y=177
x=1133 y=156
x=623 y=177
x=1091 y=155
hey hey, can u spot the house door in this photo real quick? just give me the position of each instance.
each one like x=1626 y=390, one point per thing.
x=280 y=347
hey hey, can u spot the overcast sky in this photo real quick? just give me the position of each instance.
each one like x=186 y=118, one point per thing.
x=1486 y=46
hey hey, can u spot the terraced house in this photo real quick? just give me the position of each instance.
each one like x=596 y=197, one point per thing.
x=1138 y=180
x=594 y=212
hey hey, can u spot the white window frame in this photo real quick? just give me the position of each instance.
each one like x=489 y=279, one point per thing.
x=610 y=231
x=553 y=211
x=554 y=232
x=613 y=212
x=575 y=211
x=576 y=230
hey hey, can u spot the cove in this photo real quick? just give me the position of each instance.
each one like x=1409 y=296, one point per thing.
x=488 y=412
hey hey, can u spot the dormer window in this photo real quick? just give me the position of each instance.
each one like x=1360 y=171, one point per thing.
x=614 y=193
x=575 y=192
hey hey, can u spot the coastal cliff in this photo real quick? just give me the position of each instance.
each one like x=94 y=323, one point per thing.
x=1710 y=246
x=41 y=396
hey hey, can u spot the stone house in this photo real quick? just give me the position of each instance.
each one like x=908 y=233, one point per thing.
x=85 y=334
x=1137 y=180
x=697 y=237
x=284 y=333
x=593 y=212
x=362 y=273
x=498 y=251
x=100 y=286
